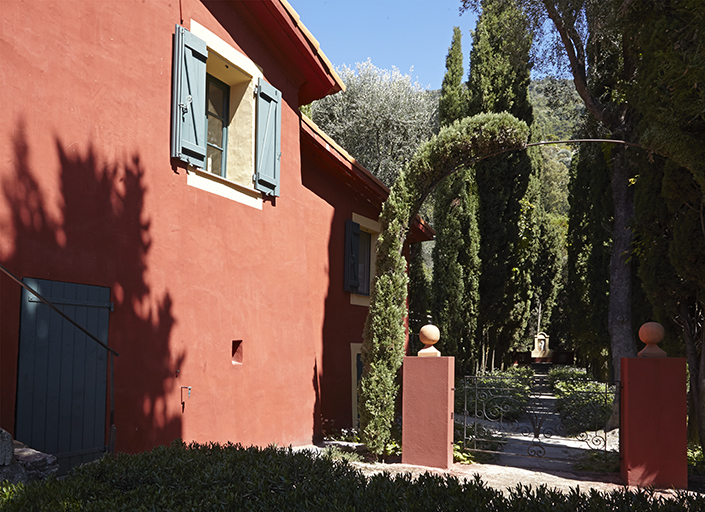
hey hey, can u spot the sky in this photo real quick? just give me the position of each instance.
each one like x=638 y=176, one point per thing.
x=411 y=35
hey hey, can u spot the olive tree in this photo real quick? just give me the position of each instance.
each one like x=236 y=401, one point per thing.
x=380 y=118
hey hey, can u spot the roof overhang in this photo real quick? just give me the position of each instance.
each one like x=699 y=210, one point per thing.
x=296 y=45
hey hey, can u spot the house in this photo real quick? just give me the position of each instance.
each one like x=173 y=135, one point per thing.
x=161 y=188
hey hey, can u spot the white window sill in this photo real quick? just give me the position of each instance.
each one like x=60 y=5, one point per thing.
x=220 y=186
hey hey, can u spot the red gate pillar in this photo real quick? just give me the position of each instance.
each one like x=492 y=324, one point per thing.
x=654 y=422
x=427 y=409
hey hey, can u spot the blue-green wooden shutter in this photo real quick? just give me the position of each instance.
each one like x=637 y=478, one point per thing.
x=268 y=156
x=352 y=256
x=188 y=99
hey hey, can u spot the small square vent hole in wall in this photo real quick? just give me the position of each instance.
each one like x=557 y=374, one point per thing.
x=237 y=352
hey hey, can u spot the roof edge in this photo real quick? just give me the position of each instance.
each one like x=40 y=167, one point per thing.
x=315 y=45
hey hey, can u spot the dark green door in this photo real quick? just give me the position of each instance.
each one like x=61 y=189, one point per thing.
x=62 y=373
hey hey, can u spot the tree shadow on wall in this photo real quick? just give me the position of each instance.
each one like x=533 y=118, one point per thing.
x=90 y=228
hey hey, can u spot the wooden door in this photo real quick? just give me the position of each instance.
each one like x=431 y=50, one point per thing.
x=62 y=373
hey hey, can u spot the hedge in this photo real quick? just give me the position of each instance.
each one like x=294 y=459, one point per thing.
x=213 y=477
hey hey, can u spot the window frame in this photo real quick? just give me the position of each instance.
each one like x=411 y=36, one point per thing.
x=351 y=275
x=225 y=88
x=242 y=177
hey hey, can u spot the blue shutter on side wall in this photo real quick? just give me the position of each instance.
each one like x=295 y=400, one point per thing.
x=268 y=151
x=188 y=99
x=352 y=256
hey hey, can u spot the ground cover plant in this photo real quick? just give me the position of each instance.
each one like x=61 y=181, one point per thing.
x=584 y=404
x=208 y=477
x=566 y=373
x=497 y=396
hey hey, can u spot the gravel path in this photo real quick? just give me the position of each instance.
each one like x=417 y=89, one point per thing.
x=507 y=477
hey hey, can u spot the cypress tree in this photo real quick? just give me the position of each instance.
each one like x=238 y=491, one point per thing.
x=456 y=249
x=498 y=81
x=589 y=243
x=452 y=104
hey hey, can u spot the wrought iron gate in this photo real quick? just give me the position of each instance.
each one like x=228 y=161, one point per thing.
x=523 y=417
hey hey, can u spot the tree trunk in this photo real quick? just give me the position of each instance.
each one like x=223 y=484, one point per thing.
x=620 y=299
x=696 y=366
x=619 y=320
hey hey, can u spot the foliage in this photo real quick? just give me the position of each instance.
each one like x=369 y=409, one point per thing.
x=462 y=455
x=668 y=88
x=480 y=445
x=598 y=461
x=380 y=118
x=558 y=109
x=671 y=243
x=554 y=180
x=696 y=459
x=496 y=396
x=521 y=372
x=589 y=246
x=212 y=477
x=452 y=104
x=583 y=405
x=419 y=294
x=454 y=148
x=456 y=263
x=348 y=435
x=566 y=373
x=585 y=37
x=549 y=273
x=499 y=62
x=337 y=453
x=507 y=185
x=456 y=266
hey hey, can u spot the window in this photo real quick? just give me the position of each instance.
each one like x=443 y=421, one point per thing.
x=360 y=238
x=226 y=120
x=217 y=96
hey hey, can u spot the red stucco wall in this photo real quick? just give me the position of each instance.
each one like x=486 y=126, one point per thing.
x=89 y=195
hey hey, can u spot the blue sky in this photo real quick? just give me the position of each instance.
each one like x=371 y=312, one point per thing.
x=404 y=34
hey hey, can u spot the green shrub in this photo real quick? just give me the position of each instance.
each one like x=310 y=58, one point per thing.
x=583 y=405
x=522 y=372
x=566 y=373
x=598 y=461
x=349 y=435
x=479 y=444
x=497 y=396
x=337 y=453
x=696 y=459
x=212 y=477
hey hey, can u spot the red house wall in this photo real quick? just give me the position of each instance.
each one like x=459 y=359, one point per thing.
x=90 y=196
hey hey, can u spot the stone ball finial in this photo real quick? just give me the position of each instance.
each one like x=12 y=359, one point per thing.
x=429 y=336
x=651 y=333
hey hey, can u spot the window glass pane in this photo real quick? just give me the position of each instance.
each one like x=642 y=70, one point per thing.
x=215 y=131
x=214 y=160
x=216 y=100
x=364 y=264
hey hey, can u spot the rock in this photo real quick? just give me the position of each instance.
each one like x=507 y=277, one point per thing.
x=29 y=465
x=7 y=450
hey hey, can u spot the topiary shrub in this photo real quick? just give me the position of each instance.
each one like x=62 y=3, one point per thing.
x=456 y=147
